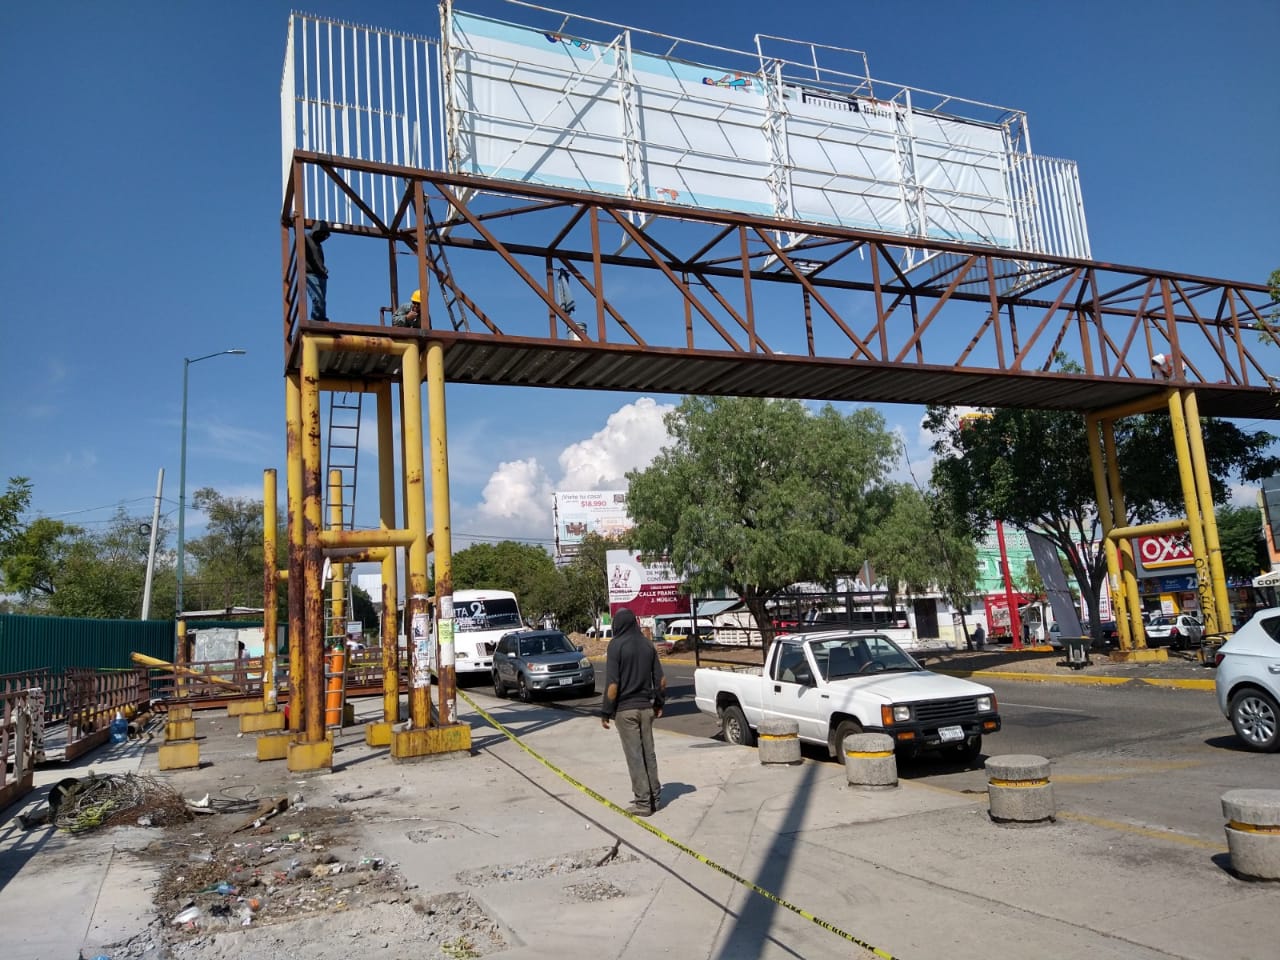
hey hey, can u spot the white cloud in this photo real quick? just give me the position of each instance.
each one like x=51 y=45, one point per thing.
x=516 y=500
x=631 y=438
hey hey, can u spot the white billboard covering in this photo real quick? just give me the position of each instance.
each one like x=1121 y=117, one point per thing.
x=592 y=113
x=578 y=513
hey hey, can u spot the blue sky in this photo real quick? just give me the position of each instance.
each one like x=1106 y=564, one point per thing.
x=142 y=167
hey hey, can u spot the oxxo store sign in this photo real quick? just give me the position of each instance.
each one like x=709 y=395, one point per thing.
x=1165 y=554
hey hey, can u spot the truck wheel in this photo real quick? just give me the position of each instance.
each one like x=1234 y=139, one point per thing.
x=971 y=749
x=733 y=722
x=845 y=728
x=522 y=689
x=499 y=688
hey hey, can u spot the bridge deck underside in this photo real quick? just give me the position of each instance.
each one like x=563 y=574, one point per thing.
x=509 y=361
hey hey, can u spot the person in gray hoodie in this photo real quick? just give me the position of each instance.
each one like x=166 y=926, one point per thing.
x=635 y=690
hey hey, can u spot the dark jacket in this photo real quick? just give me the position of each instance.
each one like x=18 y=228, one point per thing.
x=632 y=664
x=315 y=237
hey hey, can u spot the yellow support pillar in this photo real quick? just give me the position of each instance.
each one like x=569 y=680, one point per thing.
x=1106 y=514
x=337 y=596
x=296 y=571
x=1217 y=572
x=1195 y=520
x=441 y=535
x=379 y=734
x=270 y=586
x=1128 y=602
x=315 y=751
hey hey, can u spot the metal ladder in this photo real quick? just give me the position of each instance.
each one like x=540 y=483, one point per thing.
x=343 y=455
x=444 y=275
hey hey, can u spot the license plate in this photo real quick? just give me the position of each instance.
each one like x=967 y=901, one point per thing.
x=950 y=734
x=564 y=681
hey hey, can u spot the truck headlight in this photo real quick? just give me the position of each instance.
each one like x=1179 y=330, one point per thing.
x=584 y=664
x=536 y=667
x=890 y=714
x=986 y=704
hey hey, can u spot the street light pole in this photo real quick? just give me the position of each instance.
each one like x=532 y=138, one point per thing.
x=182 y=469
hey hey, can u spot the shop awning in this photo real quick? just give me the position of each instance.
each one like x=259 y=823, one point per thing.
x=1271 y=579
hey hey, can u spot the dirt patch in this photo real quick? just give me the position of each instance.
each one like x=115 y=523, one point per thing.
x=291 y=887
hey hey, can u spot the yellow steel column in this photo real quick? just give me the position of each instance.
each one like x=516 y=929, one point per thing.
x=297 y=550
x=1204 y=586
x=1128 y=602
x=390 y=595
x=270 y=586
x=1217 y=573
x=315 y=751
x=1105 y=513
x=416 y=611
x=181 y=660
x=441 y=536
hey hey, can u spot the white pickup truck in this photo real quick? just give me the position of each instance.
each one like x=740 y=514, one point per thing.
x=839 y=683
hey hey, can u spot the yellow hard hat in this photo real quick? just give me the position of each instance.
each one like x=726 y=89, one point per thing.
x=417 y=296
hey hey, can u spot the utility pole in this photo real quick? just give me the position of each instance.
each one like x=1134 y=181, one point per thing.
x=151 y=552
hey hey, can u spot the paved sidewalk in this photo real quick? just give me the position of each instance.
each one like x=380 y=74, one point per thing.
x=917 y=872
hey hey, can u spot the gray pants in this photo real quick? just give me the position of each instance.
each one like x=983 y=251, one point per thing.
x=635 y=729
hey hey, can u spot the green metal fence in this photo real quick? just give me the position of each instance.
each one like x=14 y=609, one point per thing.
x=56 y=643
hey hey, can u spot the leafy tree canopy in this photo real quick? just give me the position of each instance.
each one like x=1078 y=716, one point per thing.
x=1244 y=549
x=1031 y=468
x=754 y=495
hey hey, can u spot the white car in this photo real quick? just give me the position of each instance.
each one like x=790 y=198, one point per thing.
x=1248 y=681
x=1181 y=631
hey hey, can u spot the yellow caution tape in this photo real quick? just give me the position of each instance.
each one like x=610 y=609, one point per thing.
x=771 y=897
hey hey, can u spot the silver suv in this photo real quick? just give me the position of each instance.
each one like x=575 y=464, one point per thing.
x=1248 y=681
x=541 y=661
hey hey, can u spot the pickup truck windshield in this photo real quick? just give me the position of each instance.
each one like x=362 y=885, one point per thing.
x=853 y=656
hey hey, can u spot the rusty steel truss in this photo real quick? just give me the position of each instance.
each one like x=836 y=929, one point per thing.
x=684 y=301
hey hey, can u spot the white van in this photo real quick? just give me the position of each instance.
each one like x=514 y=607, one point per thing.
x=601 y=633
x=481 y=619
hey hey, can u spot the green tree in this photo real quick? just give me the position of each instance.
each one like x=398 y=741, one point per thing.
x=525 y=569
x=228 y=558
x=754 y=495
x=1031 y=468
x=1244 y=548
x=32 y=553
x=584 y=590
x=363 y=609
x=103 y=574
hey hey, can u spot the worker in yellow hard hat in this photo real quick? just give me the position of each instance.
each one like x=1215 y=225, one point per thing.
x=409 y=314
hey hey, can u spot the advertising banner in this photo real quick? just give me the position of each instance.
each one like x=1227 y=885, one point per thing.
x=1162 y=552
x=649 y=589
x=577 y=513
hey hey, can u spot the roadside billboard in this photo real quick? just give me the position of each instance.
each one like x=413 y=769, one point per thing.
x=649 y=587
x=577 y=513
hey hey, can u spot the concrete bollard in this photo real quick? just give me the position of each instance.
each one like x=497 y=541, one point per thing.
x=869 y=763
x=1018 y=789
x=779 y=741
x=1253 y=832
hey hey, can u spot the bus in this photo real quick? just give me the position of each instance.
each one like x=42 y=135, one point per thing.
x=481 y=618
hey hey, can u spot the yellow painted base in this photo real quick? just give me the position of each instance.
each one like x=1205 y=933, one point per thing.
x=1145 y=655
x=180 y=730
x=179 y=756
x=179 y=713
x=260 y=722
x=239 y=708
x=453 y=739
x=310 y=757
x=377 y=734
x=274 y=746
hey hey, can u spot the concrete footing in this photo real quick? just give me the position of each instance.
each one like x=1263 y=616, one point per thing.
x=869 y=762
x=454 y=738
x=1018 y=789
x=378 y=734
x=778 y=741
x=241 y=708
x=274 y=745
x=310 y=757
x=1253 y=832
x=179 y=755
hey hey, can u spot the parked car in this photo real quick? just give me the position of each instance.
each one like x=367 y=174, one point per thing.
x=601 y=633
x=538 y=661
x=1181 y=631
x=1248 y=681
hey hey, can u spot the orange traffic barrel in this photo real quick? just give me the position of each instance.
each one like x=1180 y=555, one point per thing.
x=334 y=688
